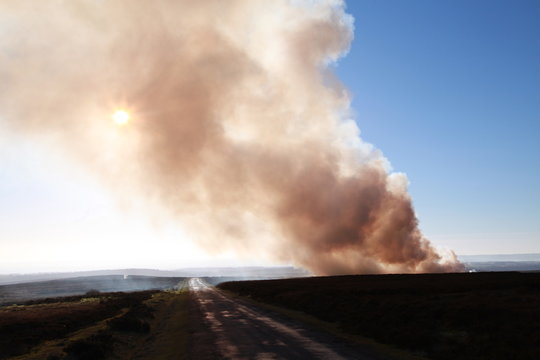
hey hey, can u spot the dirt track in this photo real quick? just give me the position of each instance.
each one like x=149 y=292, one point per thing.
x=233 y=329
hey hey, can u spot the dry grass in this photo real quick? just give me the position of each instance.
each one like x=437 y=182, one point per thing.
x=56 y=329
x=169 y=337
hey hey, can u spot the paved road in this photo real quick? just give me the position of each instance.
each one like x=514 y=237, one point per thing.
x=234 y=329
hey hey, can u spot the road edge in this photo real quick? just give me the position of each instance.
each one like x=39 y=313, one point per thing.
x=374 y=348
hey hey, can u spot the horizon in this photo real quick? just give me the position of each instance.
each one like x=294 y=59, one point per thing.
x=466 y=258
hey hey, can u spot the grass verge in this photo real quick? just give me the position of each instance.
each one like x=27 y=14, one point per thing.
x=169 y=335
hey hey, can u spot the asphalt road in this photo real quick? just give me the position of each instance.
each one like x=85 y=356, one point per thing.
x=234 y=329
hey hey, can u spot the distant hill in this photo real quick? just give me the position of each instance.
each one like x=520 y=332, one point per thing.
x=14 y=293
x=19 y=288
x=499 y=257
x=502 y=262
x=252 y=272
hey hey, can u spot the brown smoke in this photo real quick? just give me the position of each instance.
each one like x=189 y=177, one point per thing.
x=239 y=128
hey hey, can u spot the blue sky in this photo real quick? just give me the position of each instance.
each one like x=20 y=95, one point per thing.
x=450 y=92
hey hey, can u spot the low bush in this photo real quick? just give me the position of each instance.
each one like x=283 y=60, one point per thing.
x=129 y=322
x=92 y=293
x=94 y=347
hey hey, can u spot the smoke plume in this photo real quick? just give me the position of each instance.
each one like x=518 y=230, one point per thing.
x=239 y=128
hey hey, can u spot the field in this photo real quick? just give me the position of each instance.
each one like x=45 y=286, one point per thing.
x=435 y=316
x=97 y=326
x=439 y=316
x=17 y=293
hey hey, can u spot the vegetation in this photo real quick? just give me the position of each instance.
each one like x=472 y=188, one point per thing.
x=170 y=328
x=90 y=285
x=133 y=320
x=96 y=346
x=24 y=326
x=146 y=325
x=441 y=316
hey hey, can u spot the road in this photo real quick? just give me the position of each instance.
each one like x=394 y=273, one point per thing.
x=234 y=329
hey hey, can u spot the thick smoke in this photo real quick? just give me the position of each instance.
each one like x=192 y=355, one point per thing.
x=239 y=128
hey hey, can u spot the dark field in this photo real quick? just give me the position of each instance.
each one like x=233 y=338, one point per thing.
x=23 y=327
x=38 y=322
x=440 y=316
x=18 y=293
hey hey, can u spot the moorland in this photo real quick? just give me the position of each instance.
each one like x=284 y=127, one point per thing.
x=148 y=324
x=436 y=316
x=431 y=316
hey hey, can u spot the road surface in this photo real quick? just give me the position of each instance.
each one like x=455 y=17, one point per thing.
x=234 y=329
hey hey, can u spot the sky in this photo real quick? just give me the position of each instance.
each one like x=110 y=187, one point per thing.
x=449 y=91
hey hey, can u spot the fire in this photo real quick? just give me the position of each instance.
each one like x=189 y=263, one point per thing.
x=121 y=117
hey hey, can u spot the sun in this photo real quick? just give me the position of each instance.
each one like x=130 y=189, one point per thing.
x=121 y=117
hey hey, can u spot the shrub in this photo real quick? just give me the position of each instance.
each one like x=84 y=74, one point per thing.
x=129 y=322
x=94 y=347
x=92 y=292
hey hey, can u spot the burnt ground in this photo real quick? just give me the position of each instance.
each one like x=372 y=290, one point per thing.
x=441 y=316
